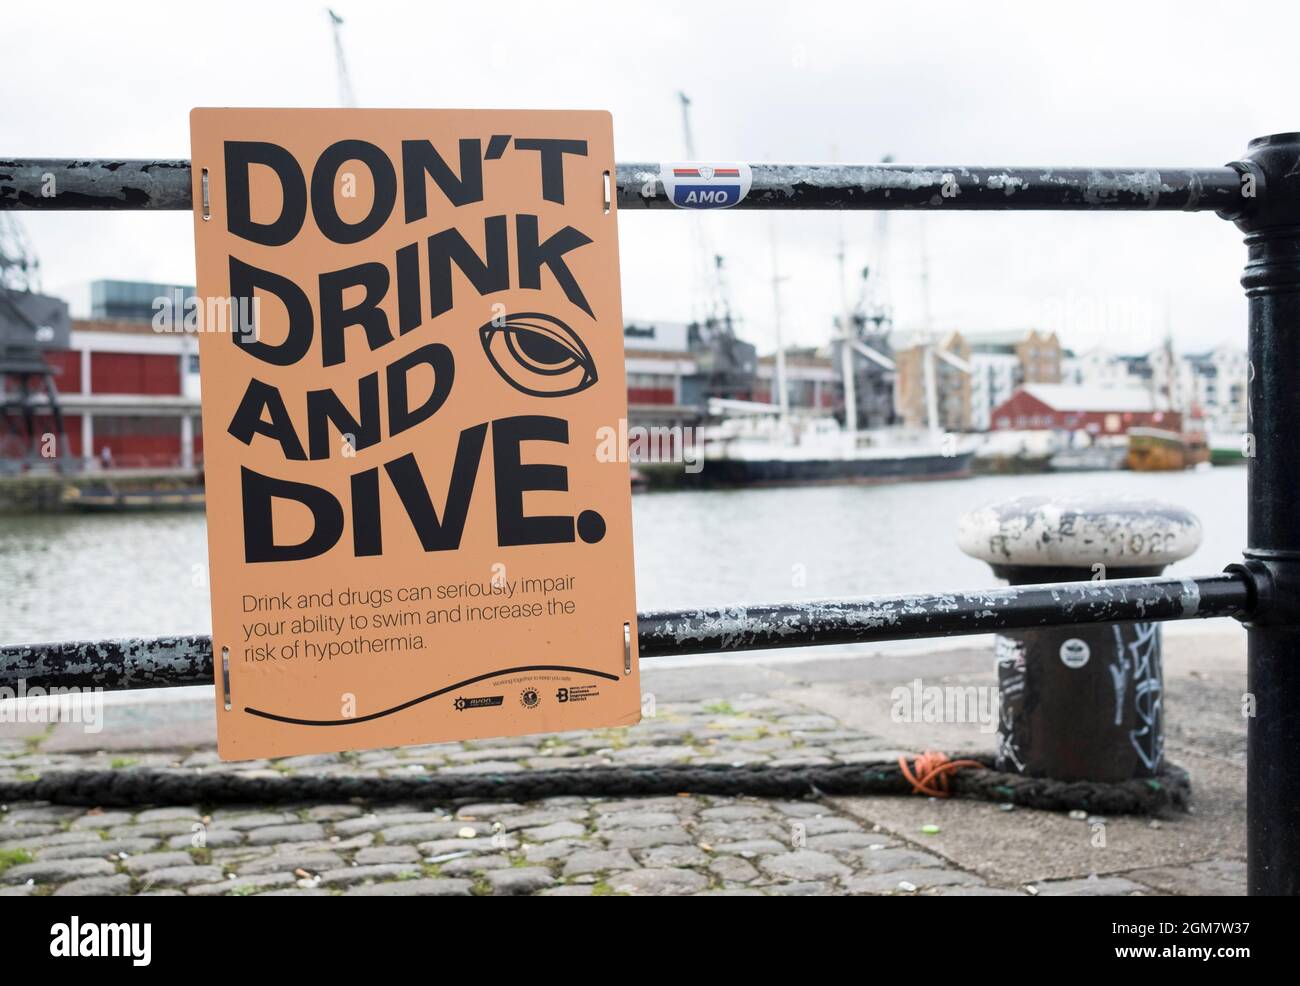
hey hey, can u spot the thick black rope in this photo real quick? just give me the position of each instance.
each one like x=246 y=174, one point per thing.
x=124 y=788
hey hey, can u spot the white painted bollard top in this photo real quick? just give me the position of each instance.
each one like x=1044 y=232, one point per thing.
x=1079 y=531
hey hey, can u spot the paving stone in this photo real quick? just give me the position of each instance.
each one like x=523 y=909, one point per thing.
x=736 y=812
x=165 y=814
x=652 y=754
x=598 y=861
x=500 y=753
x=332 y=813
x=888 y=860
x=208 y=839
x=241 y=885
x=919 y=879
x=569 y=890
x=96 y=886
x=26 y=831
x=307 y=760
x=377 y=822
x=520 y=880
x=488 y=809
x=414 y=888
x=470 y=865
x=750 y=848
x=98 y=847
x=662 y=856
x=41 y=813
x=57 y=870
x=486 y=767
x=733 y=869
x=252 y=820
x=647 y=838
x=165 y=827
x=36 y=843
x=842 y=842
x=348 y=875
x=181 y=876
x=780 y=830
x=804 y=865
x=1109 y=886
x=672 y=804
x=658 y=882
x=548 y=816
x=388 y=854
x=556 y=830
x=483 y=843
x=427 y=831
x=277 y=834
x=635 y=820
x=156 y=861
x=805 y=889
x=544 y=852
x=312 y=862
x=103 y=820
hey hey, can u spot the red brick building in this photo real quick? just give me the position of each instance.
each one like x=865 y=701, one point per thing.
x=129 y=396
x=1096 y=410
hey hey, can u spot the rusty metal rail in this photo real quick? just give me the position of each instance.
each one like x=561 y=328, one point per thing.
x=165 y=184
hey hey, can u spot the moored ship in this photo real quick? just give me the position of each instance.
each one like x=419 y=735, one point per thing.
x=754 y=447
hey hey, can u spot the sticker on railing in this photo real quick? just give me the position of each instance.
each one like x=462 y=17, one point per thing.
x=1075 y=653
x=700 y=185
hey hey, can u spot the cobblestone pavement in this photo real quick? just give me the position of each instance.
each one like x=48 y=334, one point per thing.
x=564 y=846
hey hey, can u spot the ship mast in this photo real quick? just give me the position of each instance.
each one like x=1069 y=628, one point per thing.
x=846 y=347
x=347 y=97
x=782 y=391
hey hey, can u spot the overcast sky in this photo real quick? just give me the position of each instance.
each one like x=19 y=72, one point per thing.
x=1104 y=84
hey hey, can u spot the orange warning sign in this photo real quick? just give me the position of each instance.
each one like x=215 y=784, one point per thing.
x=411 y=353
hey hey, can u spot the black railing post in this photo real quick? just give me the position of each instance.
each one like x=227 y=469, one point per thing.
x=1271 y=221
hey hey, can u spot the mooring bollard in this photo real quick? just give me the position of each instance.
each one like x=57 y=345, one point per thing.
x=1080 y=702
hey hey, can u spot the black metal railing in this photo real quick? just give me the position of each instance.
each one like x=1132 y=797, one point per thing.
x=1260 y=192
x=165 y=662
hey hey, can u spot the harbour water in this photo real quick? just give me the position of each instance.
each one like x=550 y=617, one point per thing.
x=79 y=576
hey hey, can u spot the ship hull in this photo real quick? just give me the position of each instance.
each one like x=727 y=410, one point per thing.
x=798 y=472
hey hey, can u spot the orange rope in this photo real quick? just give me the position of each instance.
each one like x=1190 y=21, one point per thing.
x=932 y=772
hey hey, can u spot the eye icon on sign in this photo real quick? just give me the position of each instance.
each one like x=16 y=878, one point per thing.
x=538 y=355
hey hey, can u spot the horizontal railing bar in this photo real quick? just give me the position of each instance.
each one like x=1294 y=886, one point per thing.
x=949 y=614
x=65 y=184
x=164 y=662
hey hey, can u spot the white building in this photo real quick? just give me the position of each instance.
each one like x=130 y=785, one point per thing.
x=1211 y=384
x=993 y=378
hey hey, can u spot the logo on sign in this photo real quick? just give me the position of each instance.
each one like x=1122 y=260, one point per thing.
x=705 y=186
x=483 y=702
